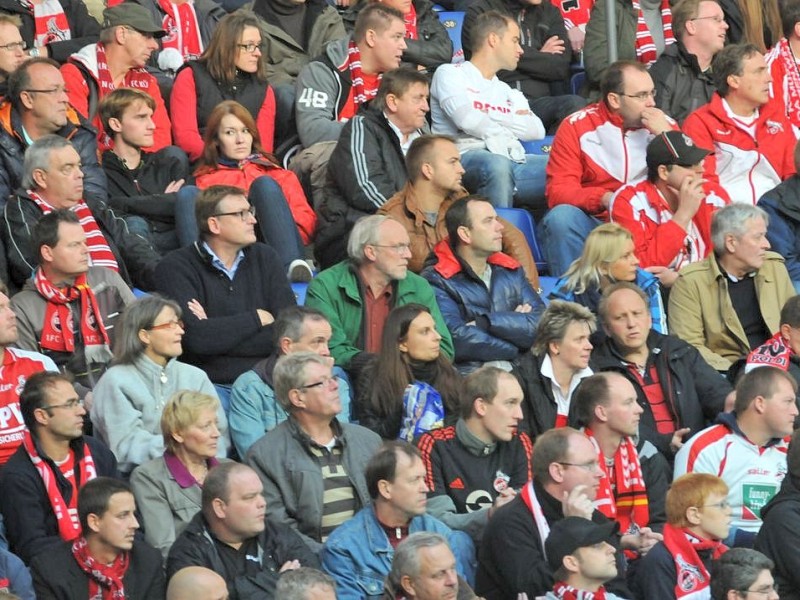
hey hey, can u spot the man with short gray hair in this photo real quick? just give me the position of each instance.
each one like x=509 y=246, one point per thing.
x=357 y=294
x=729 y=303
x=306 y=584
x=331 y=456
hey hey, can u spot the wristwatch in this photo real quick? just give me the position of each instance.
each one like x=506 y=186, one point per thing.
x=34 y=52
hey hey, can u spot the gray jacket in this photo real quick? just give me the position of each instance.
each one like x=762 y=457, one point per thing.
x=293 y=483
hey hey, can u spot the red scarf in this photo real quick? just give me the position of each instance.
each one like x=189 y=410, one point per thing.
x=692 y=576
x=792 y=78
x=100 y=254
x=183 y=33
x=50 y=22
x=105 y=581
x=567 y=592
x=775 y=352
x=68 y=529
x=58 y=329
x=411 y=23
x=532 y=502
x=135 y=78
x=360 y=94
x=645 y=46
x=626 y=501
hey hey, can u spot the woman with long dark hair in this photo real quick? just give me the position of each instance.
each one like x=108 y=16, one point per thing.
x=411 y=387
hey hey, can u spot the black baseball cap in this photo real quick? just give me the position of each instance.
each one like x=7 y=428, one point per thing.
x=571 y=533
x=674 y=148
x=134 y=16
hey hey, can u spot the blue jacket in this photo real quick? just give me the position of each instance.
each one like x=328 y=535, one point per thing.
x=498 y=333
x=358 y=554
x=591 y=298
x=782 y=204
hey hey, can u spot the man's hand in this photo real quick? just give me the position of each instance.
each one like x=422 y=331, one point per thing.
x=730 y=400
x=677 y=439
x=523 y=308
x=666 y=276
x=655 y=120
x=577 y=503
x=265 y=316
x=576 y=37
x=503 y=498
x=197 y=309
x=553 y=45
x=174 y=186
x=641 y=542
x=690 y=197
x=290 y=565
x=605 y=199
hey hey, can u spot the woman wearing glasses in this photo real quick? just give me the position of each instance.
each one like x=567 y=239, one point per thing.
x=129 y=398
x=231 y=68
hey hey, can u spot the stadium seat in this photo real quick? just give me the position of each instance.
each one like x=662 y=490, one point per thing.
x=576 y=82
x=542 y=146
x=453 y=22
x=523 y=221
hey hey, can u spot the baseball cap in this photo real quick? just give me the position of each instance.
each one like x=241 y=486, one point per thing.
x=134 y=16
x=674 y=148
x=571 y=533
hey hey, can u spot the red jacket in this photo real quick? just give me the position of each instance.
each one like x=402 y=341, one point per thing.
x=593 y=154
x=78 y=92
x=248 y=171
x=659 y=241
x=747 y=168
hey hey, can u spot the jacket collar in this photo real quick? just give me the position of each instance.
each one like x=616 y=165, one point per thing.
x=449 y=264
x=408 y=196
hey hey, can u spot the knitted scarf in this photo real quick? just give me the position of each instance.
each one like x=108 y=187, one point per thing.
x=411 y=23
x=49 y=22
x=532 y=502
x=58 y=330
x=626 y=501
x=775 y=352
x=567 y=592
x=692 y=576
x=68 y=529
x=360 y=94
x=183 y=32
x=105 y=581
x=645 y=46
x=137 y=78
x=100 y=253
x=792 y=78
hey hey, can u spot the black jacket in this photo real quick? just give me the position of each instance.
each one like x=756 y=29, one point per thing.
x=84 y=28
x=693 y=390
x=536 y=70
x=366 y=168
x=135 y=256
x=539 y=408
x=31 y=525
x=278 y=543
x=779 y=536
x=681 y=87
x=58 y=577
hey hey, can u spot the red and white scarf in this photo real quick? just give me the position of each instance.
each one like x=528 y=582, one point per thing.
x=775 y=352
x=411 y=23
x=68 y=528
x=792 y=80
x=58 y=330
x=105 y=581
x=626 y=501
x=692 y=575
x=100 y=254
x=567 y=592
x=49 y=22
x=360 y=94
x=646 y=52
x=137 y=78
x=183 y=32
x=532 y=502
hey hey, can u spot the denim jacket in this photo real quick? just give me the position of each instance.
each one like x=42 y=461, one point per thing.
x=358 y=554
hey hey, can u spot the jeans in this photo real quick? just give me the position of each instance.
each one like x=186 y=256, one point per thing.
x=503 y=181
x=275 y=222
x=562 y=234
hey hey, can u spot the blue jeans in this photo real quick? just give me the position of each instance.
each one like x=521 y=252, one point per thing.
x=503 y=181
x=562 y=234
x=275 y=221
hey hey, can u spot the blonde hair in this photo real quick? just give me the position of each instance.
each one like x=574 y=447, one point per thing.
x=604 y=246
x=182 y=411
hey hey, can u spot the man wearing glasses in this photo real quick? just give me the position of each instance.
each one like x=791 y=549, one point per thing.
x=230 y=287
x=128 y=38
x=746 y=575
x=40 y=483
x=12 y=49
x=331 y=456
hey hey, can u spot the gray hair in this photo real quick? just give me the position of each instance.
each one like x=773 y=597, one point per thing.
x=406 y=561
x=139 y=314
x=295 y=584
x=363 y=234
x=290 y=374
x=555 y=320
x=37 y=157
x=732 y=220
x=737 y=570
x=291 y=320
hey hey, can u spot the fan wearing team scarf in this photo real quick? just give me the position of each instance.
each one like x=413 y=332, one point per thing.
x=698 y=518
x=40 y=483
x=782 y=350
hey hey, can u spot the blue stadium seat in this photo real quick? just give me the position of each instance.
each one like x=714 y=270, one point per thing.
x=299 y=290
x=542 y=146
x=523 y=221
x=576 y=82
x=453 y=21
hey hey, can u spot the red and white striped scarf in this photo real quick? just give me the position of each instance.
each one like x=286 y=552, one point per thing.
x=563 y=591
x=49 y=22
x=360 y=94
x=792 y=78
x=645 y=46
x=137 y=78
x=100 y=254
x=183 y=32
x=105 y=581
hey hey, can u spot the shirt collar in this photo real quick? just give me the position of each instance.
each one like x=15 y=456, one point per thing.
x=179 y=471
x=216 y=261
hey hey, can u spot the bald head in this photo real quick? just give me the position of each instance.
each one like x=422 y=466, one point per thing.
x=197 y=583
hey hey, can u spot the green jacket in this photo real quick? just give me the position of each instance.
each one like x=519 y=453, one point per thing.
x=336 y=292
x=595 y=50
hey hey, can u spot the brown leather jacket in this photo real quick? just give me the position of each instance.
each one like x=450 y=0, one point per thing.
x=424 y=236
